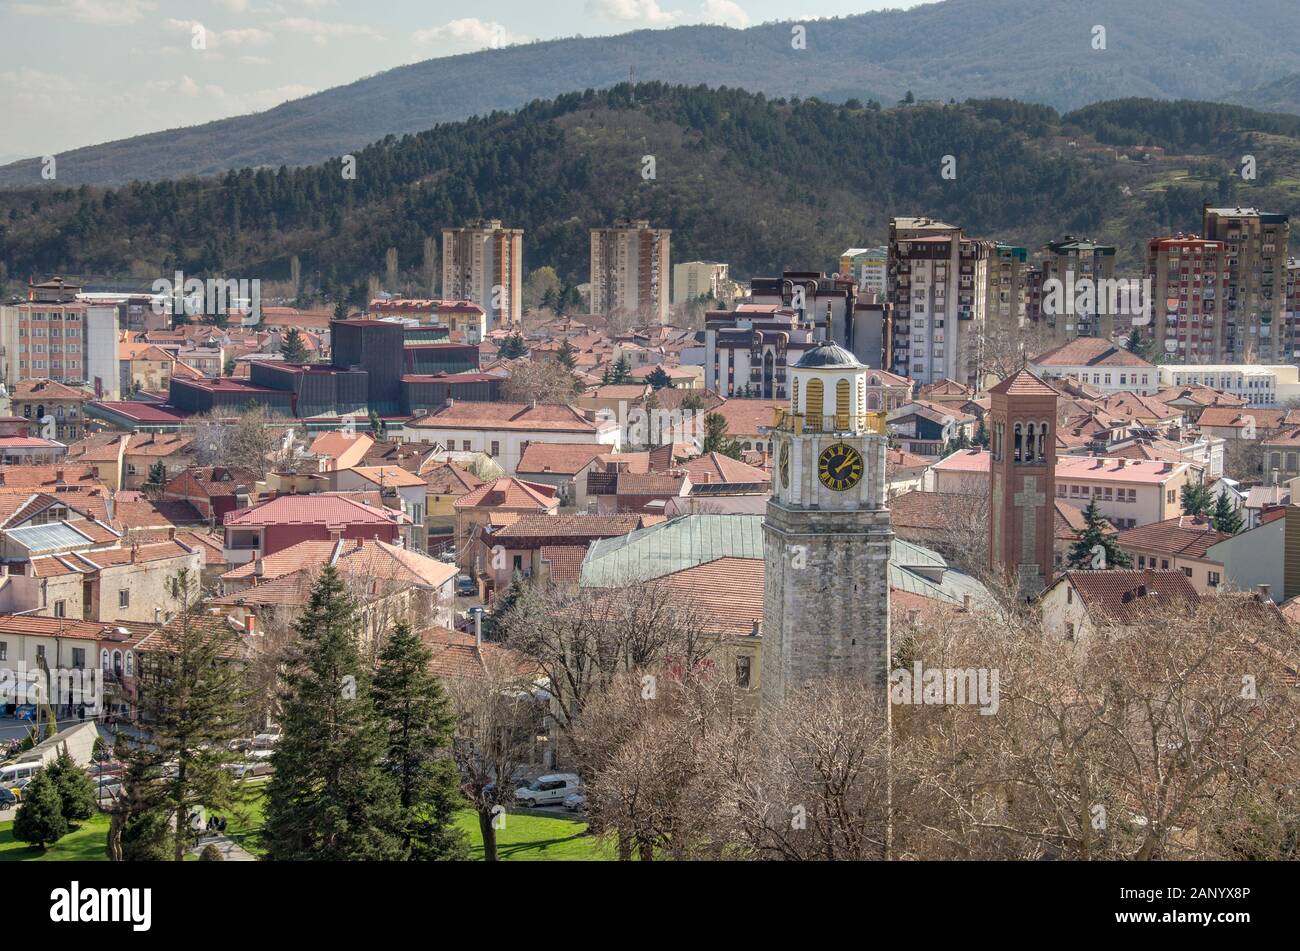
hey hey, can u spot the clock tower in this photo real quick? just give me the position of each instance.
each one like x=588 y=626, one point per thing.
x=827 y=534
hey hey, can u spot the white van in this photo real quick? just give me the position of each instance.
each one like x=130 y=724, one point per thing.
x=553 y=787
x=14 y=773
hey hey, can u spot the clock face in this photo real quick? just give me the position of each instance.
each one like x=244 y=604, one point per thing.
x=840 y=467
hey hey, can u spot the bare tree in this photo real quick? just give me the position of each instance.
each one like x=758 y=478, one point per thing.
x=545 y=380
x=254 y=439
x=498 y=716
x=582 y=638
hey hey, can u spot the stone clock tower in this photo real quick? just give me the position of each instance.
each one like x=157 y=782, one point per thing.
x=827 y=534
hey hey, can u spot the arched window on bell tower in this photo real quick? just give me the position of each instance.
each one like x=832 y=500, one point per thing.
x=843 y=404
x=1042 y=441
x=813 y=405
x=1019 y=438
x=1030 y=442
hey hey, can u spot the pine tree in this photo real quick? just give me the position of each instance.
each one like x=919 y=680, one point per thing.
x=1095 y=533
x=1138 y=345
x=292 y=348
x=981 y=436
x=513 y=347
x=157 y=473
x=1225 y=517
x=139 y=829
x=716 y=438
x=1196 y=499
x=39 y=820
x=419 y=721
x=330 y=797
x=76 y=789
x=568 y=354
x=620 y=372
x=192 y=698
x=658 y=379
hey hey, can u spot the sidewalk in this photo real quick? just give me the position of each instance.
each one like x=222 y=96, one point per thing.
x=230 y=850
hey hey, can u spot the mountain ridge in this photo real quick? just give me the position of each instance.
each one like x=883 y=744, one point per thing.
x=1041 y=52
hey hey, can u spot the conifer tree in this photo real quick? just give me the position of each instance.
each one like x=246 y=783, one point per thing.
x=513 y=347
x=1225 y=517
x=1094 y=534
x=293 y=349
x=716 y=438
x=1196 y=499
x=568 y=354
x=40 y=820
x=76 y=789
x=620 y=372
x=418 y=717
x=192 y=698
x=330 y=797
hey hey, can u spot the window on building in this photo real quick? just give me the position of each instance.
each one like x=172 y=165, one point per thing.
x=1188 y=572
x=496 y=448
x=464 y=445
x=742 y=671
x=60 y=609
x=124 y=598
x=1214 y=579
x=79 y=658
x=4 y=650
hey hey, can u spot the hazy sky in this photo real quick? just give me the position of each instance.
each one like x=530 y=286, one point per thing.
x=78 y=72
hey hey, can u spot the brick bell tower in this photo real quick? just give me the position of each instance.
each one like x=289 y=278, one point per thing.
x=827 y=534
x=1022 y=480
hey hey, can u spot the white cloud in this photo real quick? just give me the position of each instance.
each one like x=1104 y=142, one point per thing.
x=99 y=12
x=633 y=11
x=322 y=31
x=234 y=6
x=215 y=39
x=724 y=11
x=469 y=33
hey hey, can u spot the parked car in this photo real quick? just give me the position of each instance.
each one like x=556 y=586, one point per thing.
x=264 y=741
x=466 y=586
x=576 y=802
x=259 y=767
x=553 y=787
x=108 y=787
x=8 y=798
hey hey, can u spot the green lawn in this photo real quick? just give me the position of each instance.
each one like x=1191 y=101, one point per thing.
x=536 y=838
x=85 y=844
x=527 y=837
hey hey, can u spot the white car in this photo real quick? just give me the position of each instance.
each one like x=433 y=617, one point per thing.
x=264 y=741
x=553 y=787
x=576 y=802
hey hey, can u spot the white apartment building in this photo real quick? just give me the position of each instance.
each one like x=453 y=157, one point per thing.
x=1099 y=363
x=938 y=284
x=69 y=341
x=1259 y=385
x=630 y=268
x=484 y=263
x=869 y=268
x=695 y=278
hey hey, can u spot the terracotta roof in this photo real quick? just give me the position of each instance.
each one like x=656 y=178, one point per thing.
x=52 y=626
x=1136 y=406
x=164 y=640
x=565 y=561
x=1090 y=352
x=388 y=476
x=506 y=416
x=1089 y=468
x=946 y=387
x=335 y=444
x=158 y=444
x=1121 y=594
x=562 y=458
x=312 y=510
x=1199 y=394
x=510 y=493
x=84 y=562
x=749 y=417
x=1070 y=522
x=649 y=483
x=46 y=476
x=456 y=655
x=1227 y=417
x=46 y=390
x=620 y=391
x=1023 y=383
x=899 y=459
x=1187 y=535
x=447 y=478
x=715 y=467
x=570 y=526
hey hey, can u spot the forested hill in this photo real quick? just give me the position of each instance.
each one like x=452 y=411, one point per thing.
x=760 y=183
x=1047 y=51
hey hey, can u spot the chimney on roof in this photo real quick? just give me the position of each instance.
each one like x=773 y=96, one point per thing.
x=58 y=474
x=1123 y=463
x=157 y=615
x=259 y=567
x=1273 y=474
x=250 y=623
x=450 y=401
x=135 y=551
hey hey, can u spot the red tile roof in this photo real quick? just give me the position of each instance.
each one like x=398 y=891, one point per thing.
x=1122 y=594
x=715 y=468
x=447 y=478
x=562 y=458
x=506 y=416
x=511 y=494
x=1090 y=352
x=1187 y=535
x=1023 y=383
x=312 y=510
x=565 y=561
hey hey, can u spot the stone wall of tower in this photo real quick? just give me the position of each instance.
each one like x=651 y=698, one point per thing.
x=826 y=596
x=1022 y=491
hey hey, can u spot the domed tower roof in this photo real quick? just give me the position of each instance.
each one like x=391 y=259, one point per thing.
x=828 y=356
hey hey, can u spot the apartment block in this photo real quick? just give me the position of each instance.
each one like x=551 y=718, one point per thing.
x=484 y=263
x=938 y=284
x=1189 y=293
x=630 y=265
x=1005 y=308
x=869 y=269
x=1256 y=245
x=1291 y=322
x=1070 y=261
x=54 y=336
x=695 y=279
